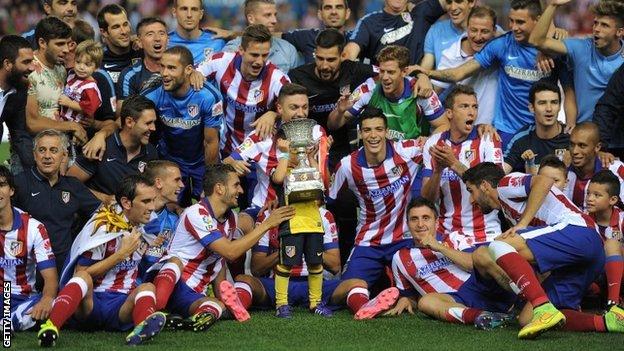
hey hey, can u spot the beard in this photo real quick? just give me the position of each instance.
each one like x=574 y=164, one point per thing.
x=16 y=79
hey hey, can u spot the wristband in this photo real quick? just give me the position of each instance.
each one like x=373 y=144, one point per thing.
x=530 y=163
x=283 y=155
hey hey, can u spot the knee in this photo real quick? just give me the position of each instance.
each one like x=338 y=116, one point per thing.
x=177 y=262
x=355 y=283
x=146 y=287
x=481 y=257
x=244 y=278
x=86 y=277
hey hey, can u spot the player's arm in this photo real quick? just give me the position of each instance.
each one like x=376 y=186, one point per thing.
x=432 y=176
x=540 y=186
x=283 y=160
x=64 y=100
x=94 y=149
x=129 y=244
x=507 y=168
x=331 y=260
x=263 y=262
x=455 y=74
x=231 y=250
x=41 y=310
x=36 y=123
x=351 y=51
x=462 y=259
x=339 y=116
x=539 y=36
x=211 y=146
x=428 y=61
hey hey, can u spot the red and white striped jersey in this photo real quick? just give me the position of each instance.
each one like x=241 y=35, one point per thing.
x=26 y=248
x=86 y=93
x=577 y=186
x=383 y=191
x=616 y=225
x=513 y=192
x=269 y=243
x=457 y=213
x=196 y=230
x=244 y=101
x=426 y=271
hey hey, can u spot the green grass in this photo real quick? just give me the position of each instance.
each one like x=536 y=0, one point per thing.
x=4 y=152
x=310 y=332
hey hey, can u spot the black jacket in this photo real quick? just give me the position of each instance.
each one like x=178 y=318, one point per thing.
x=609 y=112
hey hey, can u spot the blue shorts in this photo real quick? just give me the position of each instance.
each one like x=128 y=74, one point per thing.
x=182 y=298
x=298 y=290
x=105 y=313
x=20 y=309
x=193 y=178
x=484 y=294
x=573 y=255
x=368 y=262
x=253 y=212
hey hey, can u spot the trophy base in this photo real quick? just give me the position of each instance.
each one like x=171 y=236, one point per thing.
x=303 y=184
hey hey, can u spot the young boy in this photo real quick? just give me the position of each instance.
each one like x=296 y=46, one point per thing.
x=552 y=167
x=601 y=204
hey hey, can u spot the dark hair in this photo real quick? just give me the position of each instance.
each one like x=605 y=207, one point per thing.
x=8 y=176
x=156 y=168
x=10 y=46
x=554 y=162
x=483 y=12
x=484 y=172
x=394 y=53
x=543 y=85
x=330 y=37
x=605 y=177
x=291 y=89
x=184 y=54
x=613 y=9
x=133 y=106
x=421 y=202
x=128 y=185
x=533 y=6
x=51 y=28
x=371 y=112
x=201 y=4
x=82 y=31
x=255 y=33
x=111 y=9
x=215 y=174
x=346 y=3
x=149 y=20
x=458 y=89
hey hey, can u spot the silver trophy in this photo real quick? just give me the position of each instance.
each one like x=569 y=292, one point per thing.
x=304 y=182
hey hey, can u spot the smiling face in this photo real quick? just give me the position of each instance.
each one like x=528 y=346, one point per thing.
x=327 y=63
x=118 y=31
x=521 y=24
x=170 y=184
x=421 y=222
x=546 y=108
x=174 y=74
x=584 y=147
x=598 y=198
x=142 y=128
x=140 y=209
x=293 y=107
x=480 y=30
x=556 y=174
x=230 y=191
x=153 y=40
x=373 y=133
x=20 y=69
x=463 y=113
x=334 y=13
x=254 y=58
x=188 y=14
x=458 y=10
x=391 y=77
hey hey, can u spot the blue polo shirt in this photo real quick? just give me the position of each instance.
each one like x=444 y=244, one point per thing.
x=592 y=72
x=440 y=36
x=201 y=47
x=134 y=79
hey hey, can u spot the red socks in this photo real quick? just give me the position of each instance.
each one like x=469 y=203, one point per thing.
x=210 y=307
x=583 y=322
x=68 y=300
x=462 y=315
x=614 y=268
x=144 y=304
x=243 y=290
x=357 y=298
x=165 y=282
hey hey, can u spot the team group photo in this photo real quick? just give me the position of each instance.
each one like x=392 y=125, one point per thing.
x=339 y=174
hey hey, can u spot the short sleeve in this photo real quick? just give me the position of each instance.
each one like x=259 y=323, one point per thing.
x=513 y=153
x=330 y=237
x=202 y=227
x=252 y=148
x=339 y=180
x=213 y=113
x=427 y=160
x=429 y=46
x=90 y=101
x=361 y=96
x=492 y=151
x=431 y=107
x=410 y=148
x=575 y=48
x=87 y=165
x=42 y=248
x=490 y=54
x=514 y=185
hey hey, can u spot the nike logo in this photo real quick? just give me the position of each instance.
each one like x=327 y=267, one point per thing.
x=109 y=66
x=386 y=30
x=313 y=96
x=612 y=284
x=35 y=194
x=110 y=159
x=319 y=253
x=509 y=57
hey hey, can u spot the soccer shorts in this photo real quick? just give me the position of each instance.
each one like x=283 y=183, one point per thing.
x=369 y=262
x=294 y=246
x=298 y=292
x=253 y=211
x=105 y=313
x=573 y=255
x=182 y=298
x=193 y=178
x=20 y=311
x=484 y=294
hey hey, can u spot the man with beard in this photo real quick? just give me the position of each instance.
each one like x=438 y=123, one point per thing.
x=65 y=10
x=116 y=33
x=188 y=117
x=16 y=60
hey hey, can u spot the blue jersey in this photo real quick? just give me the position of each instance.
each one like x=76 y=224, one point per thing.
x=162 y=223
x=134 y=79
x=516 y=74
x=440 y=36
x=592 y=72
x=201 y=47
x=183 y=121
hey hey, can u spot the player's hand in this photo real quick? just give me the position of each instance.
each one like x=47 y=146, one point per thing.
x=130 y=243
x=279 y=215
x=569 y=128
x=344 y=103
x=283 y=145
x=197 y=80
x=242 y=167
x=80 y=134
x=606 y=158
x=41 y=310
x=403 y=304
x=220 y=33
x=488 y=130
x=511 y=232
x=560 y=33
x=423 y=87
x=544 y=63
x=330 y=142
x=265 y=125
x=94 y=149
x=64 y=100
x=567 y=158
x=159 y=240
x=428 y=242
x=443 y=156
x=415 y=70
x=528 y=155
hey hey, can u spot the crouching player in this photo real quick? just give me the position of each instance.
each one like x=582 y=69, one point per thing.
x=201 y=247
x=103 y=292
x=26 y=249
x=443 y=277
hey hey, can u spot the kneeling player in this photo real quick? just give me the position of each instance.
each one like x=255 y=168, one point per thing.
x=26 y=249
x=103 y=292
x=442 y=276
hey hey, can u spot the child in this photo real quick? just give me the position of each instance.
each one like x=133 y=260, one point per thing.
x=601 y=204
x=552 y=167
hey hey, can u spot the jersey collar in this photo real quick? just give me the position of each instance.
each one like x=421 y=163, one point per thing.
x=361 y=157
x=446 y=135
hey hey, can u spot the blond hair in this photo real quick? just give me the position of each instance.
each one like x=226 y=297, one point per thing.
x=92 y=50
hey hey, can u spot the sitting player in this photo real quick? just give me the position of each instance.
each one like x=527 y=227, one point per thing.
x=103 y=292
x=26 y=249
x=201 y=246
x=602 y=205
x=442 y=277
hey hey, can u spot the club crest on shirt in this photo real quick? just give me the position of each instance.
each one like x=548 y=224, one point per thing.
x=406 y=17
x=141 y=166
x=65 y=196
x=257 y=95
x=193 y=110
x=207 y=53
x=15 y=247
x=396 y=171
x=290 y=251
x=560 y=153
x=135 y=60
x=217 y=109
x=469 y=155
